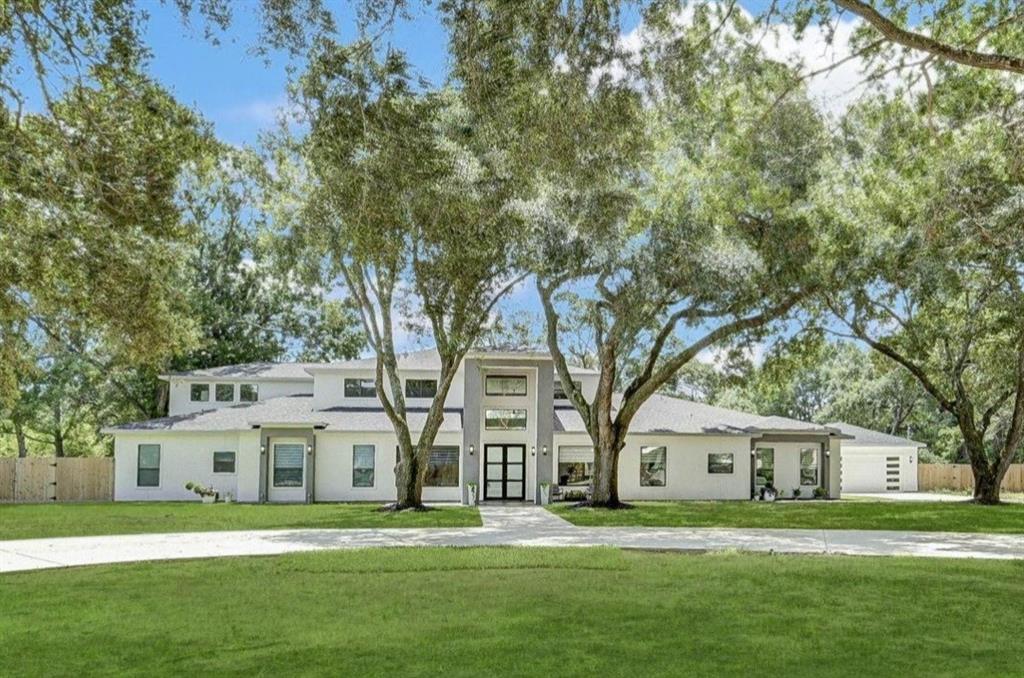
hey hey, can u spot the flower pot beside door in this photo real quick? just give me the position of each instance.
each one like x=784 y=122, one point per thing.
x=470 y=494
x=545 y=494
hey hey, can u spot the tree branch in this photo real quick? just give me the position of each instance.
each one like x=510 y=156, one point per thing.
x=924 y=43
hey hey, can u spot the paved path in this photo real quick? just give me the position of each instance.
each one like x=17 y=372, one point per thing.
x=524 y=525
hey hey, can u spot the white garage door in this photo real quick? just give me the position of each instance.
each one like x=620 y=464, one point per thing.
x=873 y=473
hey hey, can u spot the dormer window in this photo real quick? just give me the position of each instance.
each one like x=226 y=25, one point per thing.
x=505 y=385
x=200 y=393
x=225 y=393
x=360 y=388
x=420 y=388
x=248 y=393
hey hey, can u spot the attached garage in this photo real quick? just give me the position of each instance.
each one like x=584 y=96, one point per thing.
x=877 y=462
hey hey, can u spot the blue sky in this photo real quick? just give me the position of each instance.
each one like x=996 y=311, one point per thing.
x=241 y=93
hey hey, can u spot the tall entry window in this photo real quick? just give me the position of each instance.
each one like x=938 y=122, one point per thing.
x=764 y=467
x=808 y=466
x=288 y=458
x=505 y=420
x=363 y=465
x=652 y=466
x=148 y=472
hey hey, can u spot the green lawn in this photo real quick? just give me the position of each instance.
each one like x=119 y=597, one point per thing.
x=835 y=515
x=29 y=521
x=517 y=612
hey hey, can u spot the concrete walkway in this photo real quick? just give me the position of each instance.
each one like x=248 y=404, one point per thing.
x=522 y=525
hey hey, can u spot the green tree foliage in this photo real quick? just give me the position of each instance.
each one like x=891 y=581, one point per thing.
x=405 y=202
x=675 y=208
x=925 y=209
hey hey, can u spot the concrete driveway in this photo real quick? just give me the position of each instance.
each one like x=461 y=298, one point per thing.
x=524 y=525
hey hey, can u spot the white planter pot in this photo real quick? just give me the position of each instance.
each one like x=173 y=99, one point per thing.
x=209 y=498
x=471 y=496
x=545 y=496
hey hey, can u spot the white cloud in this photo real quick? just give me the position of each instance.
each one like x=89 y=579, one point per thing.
x=262 y=112
x=820 y=48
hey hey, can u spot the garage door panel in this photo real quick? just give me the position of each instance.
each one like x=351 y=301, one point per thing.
x=864 y=473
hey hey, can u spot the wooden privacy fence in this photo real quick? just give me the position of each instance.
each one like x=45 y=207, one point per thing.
x=41 y=479
x=959 y=477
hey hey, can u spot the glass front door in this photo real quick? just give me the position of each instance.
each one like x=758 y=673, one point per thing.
x=505 y=472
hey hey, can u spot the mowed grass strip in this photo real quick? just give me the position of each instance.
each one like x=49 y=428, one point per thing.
x=31 y=521
x=517 y=612
x=821 y=515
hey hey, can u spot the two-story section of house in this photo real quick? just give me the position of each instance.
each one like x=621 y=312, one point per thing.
x=316 y=432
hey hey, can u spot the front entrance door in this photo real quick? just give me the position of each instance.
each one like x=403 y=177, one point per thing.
x=505 y=472
x=287 y=471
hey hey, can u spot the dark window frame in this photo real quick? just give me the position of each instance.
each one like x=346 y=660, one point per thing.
x=302 y=467
x=664 y=468
x=811 y=481
x=446 y=450
x=234 y=457
x=526 y=419
x=522 y=377
x=359 y=387
x=139 y=468
x=712 y=468
x=418 y=393
x=558 y=393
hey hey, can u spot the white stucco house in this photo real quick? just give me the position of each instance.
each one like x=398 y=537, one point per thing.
x=877 y=462
x=316 y=433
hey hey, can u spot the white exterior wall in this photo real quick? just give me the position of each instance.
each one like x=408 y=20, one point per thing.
x=864 y=467
x=333 y=481
x=686 y=466
x=329 y=389
x=180 y=400
x=787 y=466
x=184 y=457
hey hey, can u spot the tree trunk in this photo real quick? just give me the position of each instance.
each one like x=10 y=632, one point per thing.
x=58 y=443
x=606 y=473
x=19 y=434
x=408 y=484
x=988 y=477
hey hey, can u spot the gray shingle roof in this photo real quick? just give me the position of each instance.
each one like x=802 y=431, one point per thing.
x=870 y=438
x=292 y=410
x=272 y=371
x=665 y=414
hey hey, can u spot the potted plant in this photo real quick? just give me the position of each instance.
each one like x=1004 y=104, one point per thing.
x=796 y=493
x=545 y=493
x=820 y=492
x=769 y=493
x=207 y=494
x=471 y=494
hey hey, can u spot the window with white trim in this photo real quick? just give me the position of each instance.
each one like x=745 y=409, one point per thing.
x=575 y=465
x=363 y=460
x=248 y=393
x=225 y=393
x=720 y=462
x=200 y=393
x=443 y=467
x=505 y=420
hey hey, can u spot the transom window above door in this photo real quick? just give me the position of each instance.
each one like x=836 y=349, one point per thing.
x=505 y=420
x=505 y=385
x=360 y=388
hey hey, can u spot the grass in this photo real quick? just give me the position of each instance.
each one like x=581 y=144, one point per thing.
x=30 y=521
x=517 y=612
x=834 y=515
